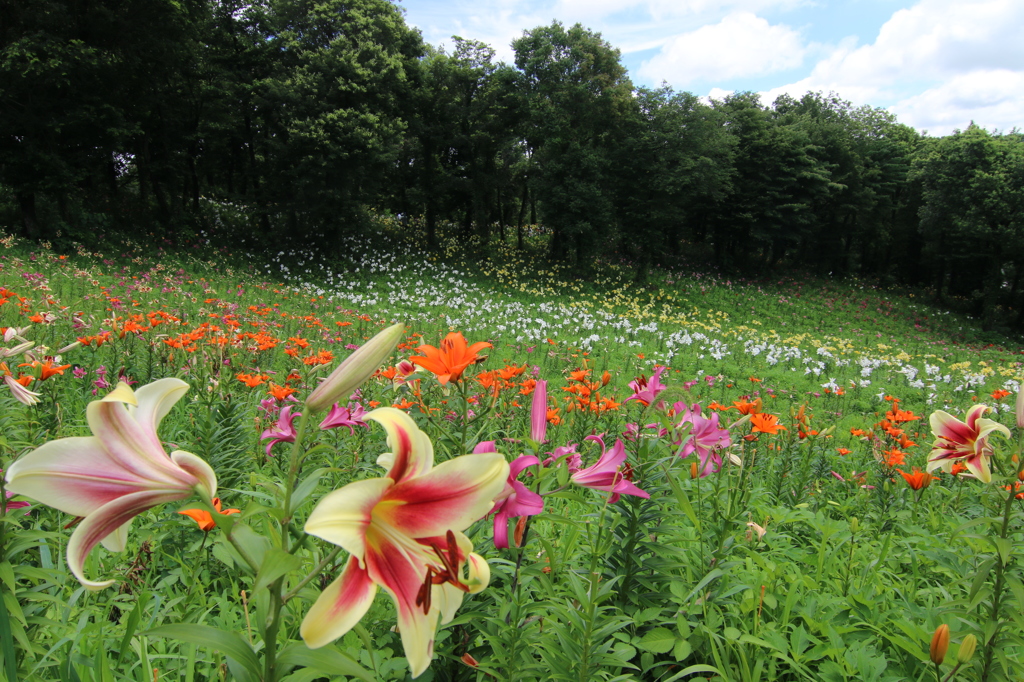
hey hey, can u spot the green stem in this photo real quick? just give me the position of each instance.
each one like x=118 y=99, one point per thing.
x=317 y=570
x=998 y=589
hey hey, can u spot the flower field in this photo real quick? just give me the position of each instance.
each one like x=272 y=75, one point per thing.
x=466 y=467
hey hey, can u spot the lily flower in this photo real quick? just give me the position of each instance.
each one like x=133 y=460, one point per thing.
x=450 y=360
x=706 y=438
x=403 y=532
x=917 y=479
x=607 y=473
x=646 y=390
x=967 y=441
x=515 y=500
x=114 y=475
x=285 y=429
x=352 y=416
x=205 y=518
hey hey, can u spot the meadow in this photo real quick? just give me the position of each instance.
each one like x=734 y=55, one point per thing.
x=710 y=478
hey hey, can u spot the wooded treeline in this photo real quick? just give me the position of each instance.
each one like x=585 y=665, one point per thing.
x=304 y=116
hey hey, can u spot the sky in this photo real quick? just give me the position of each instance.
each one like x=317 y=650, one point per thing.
x=937 y=65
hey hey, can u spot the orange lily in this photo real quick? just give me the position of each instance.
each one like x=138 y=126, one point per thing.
x=917 y=479
x=450 y=360
x=204 y=518
x=766 y=423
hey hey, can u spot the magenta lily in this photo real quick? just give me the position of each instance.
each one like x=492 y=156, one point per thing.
x=706 y=438
x=285 y=429
x=352 y=416
x=608 y=472
x=515 y=500
x=967 y=441
x=646 y=390
x=403 y=532
x=115 y=474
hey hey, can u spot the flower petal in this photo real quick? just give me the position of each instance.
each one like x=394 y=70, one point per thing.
x=109 y=519
x=339 y=607
x=412 y=453
x=206 y=479
x=449 y=497
x=74 y=475
x=134 y=445
x=343 y=517
x=401 y=573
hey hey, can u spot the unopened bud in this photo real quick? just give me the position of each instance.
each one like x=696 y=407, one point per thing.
x=517 y=535
x=605 y=378
x=469 y=660
x=940 y=643
x=1019 y=408
x=854 y=524
x=693 y=469
x=355 y=369
x=967 y=647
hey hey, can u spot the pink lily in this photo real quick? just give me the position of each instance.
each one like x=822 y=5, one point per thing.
x=706 y=438
x=351 y=416
x=403 y=532
x=515 y=500
x=967 y=441
x=285 y=432
x=572 y=458
x=115 y=474
x=646 y=390
x=607 y=473
x=539 y=412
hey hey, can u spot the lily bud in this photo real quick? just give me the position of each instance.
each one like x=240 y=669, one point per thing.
x=1019 y=408
x=355 y=369
x=967 y=647
x=539 y=412
x=693 y=469
x=605 y=378
x=854 y=524
x=940 y=643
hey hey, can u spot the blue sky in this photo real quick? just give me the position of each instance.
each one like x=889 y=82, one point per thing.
x=936 y=64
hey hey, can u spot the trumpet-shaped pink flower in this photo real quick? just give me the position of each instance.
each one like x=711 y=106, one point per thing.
x=608 y=473
x=284 y=431
x=403 y=532
x=706 y=438
x=646 y=390
x=968 y=441
x=515 y=500
x=115 y=474
x=352 y=416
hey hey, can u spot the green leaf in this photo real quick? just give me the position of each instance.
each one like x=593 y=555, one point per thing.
x=693 y=670
x=682 y=650
x=230 y=644
x=980 y=576
x=306 y=488
x=658 y=641
x=7 y=643
x=276 y=563
x=250 y=546
x=327 y=660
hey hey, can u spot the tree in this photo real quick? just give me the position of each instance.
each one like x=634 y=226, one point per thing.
x=578 y=95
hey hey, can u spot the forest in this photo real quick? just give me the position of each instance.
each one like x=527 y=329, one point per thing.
x=283 y=122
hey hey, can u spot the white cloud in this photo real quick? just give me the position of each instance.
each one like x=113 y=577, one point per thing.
x=992 y=99
x=740 y=45
x=970 y=53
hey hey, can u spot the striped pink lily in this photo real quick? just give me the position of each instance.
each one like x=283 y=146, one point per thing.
x=967 y=441
x=403 y=532
x=114 y=475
